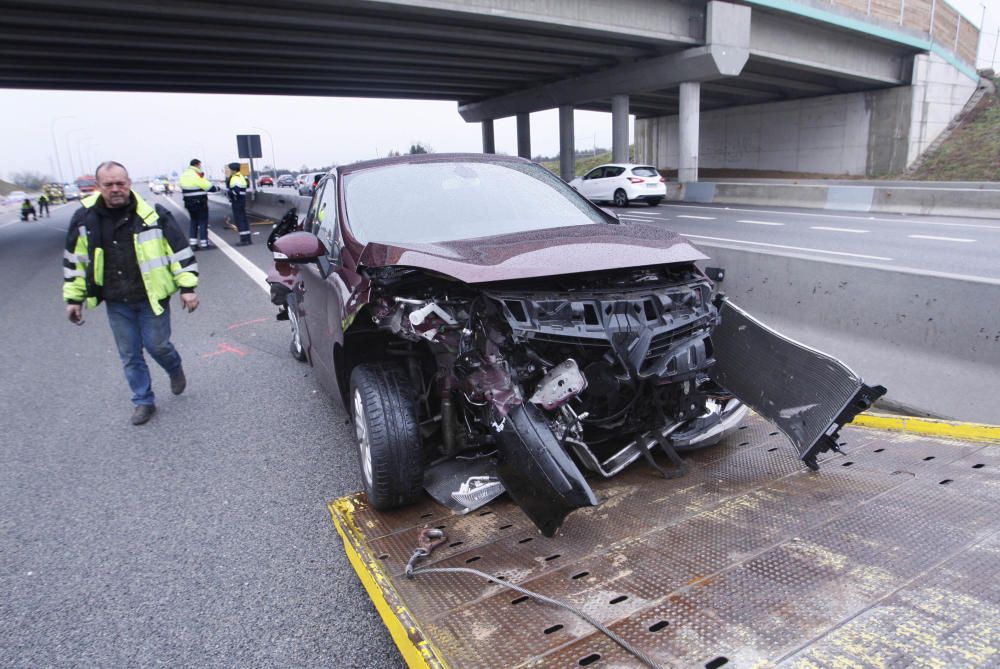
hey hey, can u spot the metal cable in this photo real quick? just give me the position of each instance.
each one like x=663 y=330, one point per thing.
x=411 y=571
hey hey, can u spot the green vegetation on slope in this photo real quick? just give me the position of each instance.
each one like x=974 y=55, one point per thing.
x=972 y=153
x=583 y=163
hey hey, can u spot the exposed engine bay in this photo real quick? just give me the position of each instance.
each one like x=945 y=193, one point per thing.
x=609 y=364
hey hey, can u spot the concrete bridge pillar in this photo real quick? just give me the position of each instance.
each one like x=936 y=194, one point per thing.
x=567 y=143
x=524 y=135
x=489 y=140
x=687 y=130
x=619 y=129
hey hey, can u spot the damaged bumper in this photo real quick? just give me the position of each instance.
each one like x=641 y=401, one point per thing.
x=807 y=394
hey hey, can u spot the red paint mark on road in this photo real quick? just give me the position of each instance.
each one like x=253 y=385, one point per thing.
x=239 y=325
x=225 y=348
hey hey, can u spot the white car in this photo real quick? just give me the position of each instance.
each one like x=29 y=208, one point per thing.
x=622 y=183
x=17 y=197
x=157 y=187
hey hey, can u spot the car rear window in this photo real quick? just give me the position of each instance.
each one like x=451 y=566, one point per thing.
x=645 y=171
x=433 y=202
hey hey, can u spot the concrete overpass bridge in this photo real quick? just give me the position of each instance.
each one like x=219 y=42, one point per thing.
x=723 y=83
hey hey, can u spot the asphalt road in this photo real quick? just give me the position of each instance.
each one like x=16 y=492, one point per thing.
x=200 y=539
x=950 y=245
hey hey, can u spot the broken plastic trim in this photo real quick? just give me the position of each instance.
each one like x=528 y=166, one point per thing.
x=806 y=393
x=538 y=474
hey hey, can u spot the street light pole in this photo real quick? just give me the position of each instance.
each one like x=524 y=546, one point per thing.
x=79 y=152
x=274 y=163
x=55 y=145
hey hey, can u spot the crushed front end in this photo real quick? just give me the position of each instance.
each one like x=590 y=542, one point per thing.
x=525 y=382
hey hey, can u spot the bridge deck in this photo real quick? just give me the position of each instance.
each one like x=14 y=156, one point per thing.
x=888 y=556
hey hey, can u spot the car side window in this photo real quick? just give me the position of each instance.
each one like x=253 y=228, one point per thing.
x=594 y=173
x=312 y=222
x=613 y=171
x=326 y=215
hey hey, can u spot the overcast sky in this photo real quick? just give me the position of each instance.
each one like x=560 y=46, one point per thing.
x=153 y=133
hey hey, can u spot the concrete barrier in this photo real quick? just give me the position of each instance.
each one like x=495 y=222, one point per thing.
x=975 y=200
x=274 y=205
x=933 y=340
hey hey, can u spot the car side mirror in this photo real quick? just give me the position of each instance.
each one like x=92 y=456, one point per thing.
x=299 y=247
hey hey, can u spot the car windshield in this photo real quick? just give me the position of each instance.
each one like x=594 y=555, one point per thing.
x=433 y=202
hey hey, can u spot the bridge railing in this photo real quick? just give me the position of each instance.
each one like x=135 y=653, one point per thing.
x=937 y=18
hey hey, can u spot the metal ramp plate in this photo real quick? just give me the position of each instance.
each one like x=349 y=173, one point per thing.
x=888 y=556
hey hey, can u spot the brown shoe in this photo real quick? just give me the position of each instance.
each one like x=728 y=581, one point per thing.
x=178 y=382
x=142 y=413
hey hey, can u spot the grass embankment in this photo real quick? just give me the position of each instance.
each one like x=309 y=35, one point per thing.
x=972 y=153
x=583 y=163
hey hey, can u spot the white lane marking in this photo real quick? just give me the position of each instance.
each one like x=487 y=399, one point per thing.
x=647 y=214
x=256 y=274
x=4 y=225
x=704 y=218
x=782 y=246
x=942 y=239
x=744 y=220
x=827 y=215
x=823 y=227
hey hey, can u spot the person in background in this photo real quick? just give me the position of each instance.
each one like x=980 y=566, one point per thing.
x=195 y=189
x=133 y=257
x=28 y=209
x=43 y=205
x=237 y=195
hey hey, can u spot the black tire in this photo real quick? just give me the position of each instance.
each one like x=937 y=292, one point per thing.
x=387 y=434
x=295 y=346
x=620 y=198
x=652 y=202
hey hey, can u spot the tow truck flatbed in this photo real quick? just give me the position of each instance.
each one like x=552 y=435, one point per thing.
x=889 y=555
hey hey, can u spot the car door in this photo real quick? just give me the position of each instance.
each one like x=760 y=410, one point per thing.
x=590 y=183
x=309 y=289
x=610 y=182
x=331 y=290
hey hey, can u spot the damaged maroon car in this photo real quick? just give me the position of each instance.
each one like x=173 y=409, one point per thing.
x=491 y=330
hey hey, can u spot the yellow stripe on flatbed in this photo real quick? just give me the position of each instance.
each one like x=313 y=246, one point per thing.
x=930 y=427
x=416 y=650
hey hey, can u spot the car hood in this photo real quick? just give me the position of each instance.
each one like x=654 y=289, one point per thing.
x=538 y=253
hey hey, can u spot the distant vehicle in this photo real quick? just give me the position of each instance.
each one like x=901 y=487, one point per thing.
x=71 y=192
x=16 y=197
x=265 y=181
x=87 y=184
x=309 y=182
x=157 y=187
x=54 y=192
x=286 y=180
x=622 y=183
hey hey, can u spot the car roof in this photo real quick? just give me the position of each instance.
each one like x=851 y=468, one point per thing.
x=432 y=158
x=626 y=165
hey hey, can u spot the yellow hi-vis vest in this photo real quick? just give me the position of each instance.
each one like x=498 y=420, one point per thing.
x=193 y=183
x=163 y=269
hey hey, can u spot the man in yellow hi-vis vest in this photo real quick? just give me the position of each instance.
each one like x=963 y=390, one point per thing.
x=238 y=196
x=133 y=257
x=195 y=189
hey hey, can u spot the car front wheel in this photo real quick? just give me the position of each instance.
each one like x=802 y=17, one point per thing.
x=621 y=199
x=298 y=352
x=388 y=435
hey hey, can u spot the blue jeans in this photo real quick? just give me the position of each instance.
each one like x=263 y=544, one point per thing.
x=135 y=327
